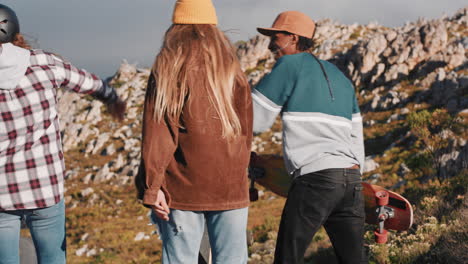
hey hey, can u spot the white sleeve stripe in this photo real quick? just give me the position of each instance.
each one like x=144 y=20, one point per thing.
x=317 y=119
x=356 y=117
x=266 y=105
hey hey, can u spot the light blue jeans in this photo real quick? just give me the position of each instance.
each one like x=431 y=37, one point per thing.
x=47 y=227
x=182 y=235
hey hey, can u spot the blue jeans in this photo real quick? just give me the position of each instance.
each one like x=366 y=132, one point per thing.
x=47 y=227
x=182 y=235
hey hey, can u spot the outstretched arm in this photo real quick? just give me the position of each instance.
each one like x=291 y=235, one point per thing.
x=81 y=81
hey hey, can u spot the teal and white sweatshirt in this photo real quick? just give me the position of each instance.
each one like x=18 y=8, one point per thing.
x=322 y=126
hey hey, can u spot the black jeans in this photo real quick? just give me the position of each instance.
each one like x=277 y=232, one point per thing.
x=332 y=198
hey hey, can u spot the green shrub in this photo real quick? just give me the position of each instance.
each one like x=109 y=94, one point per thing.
x=434 y=132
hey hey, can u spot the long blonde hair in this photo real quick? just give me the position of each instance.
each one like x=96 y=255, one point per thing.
x=206 y=47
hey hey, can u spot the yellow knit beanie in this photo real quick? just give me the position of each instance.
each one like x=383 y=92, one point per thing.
x=194 y=12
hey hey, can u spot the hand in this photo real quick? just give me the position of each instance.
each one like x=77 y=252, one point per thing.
x=160 y=206
x=117 y=109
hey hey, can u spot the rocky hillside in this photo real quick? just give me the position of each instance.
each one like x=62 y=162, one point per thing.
x=409 y=80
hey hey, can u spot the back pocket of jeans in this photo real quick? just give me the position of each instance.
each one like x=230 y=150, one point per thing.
x=315 y=200
x=358 y=204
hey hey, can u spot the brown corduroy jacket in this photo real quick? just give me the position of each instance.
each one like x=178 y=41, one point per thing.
x=196 y=168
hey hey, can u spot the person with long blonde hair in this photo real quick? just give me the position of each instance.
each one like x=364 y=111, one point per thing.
x=197 y=133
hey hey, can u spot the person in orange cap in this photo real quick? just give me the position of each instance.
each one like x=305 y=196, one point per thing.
x=197 y=136
x=322 y=142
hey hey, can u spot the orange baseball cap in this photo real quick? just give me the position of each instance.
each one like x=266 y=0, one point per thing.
x=293 y=22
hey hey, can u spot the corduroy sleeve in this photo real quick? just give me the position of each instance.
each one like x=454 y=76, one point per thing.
x=249 y=122
x=272 y=93
x=158 y=147
x=357 y=134
x=244 y=104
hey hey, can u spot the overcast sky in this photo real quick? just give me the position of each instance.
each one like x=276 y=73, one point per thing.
x=98 y=34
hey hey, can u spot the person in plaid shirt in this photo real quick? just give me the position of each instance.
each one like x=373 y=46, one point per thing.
x=31 y=157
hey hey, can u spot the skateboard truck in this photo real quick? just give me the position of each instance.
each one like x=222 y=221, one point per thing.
x=254 y=173
x=383 y=213
x=253 y=192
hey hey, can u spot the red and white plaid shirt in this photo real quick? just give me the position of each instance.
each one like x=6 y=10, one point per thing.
x=31 y=157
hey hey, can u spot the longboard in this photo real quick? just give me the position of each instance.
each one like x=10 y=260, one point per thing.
x=384 y=208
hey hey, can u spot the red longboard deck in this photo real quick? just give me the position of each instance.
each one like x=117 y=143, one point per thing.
x=276 y=178
x=403 y=212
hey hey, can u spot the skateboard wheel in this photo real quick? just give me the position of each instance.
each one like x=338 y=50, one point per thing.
x=381 y=238
x=382 y=198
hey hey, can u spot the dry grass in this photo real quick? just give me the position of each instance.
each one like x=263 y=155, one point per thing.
x=111 y=224
x=382 y=129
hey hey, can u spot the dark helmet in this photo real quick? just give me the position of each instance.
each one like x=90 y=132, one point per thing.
x=9 y=25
